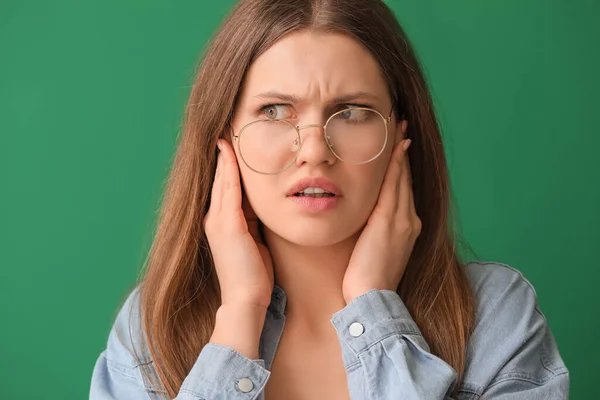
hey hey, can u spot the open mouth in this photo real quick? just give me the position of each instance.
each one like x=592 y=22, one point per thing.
x=315 y=199
x=314 y=193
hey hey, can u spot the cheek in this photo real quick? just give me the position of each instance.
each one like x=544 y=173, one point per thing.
x=253 y=188
x=363 y=191
x=369 y=180
x=258 y=189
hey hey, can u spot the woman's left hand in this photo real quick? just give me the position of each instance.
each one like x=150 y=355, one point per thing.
x=382 y=251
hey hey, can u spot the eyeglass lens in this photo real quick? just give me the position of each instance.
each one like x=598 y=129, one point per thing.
x=354 y=135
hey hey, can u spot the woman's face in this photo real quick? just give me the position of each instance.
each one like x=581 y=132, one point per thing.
x=316 y=69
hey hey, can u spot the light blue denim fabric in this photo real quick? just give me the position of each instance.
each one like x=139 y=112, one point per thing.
x=511 y=354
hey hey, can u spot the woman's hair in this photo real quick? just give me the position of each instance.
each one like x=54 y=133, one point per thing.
x=179 y=290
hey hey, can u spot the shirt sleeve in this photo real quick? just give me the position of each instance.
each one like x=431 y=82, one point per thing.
x=220 y=372
x=386 y=355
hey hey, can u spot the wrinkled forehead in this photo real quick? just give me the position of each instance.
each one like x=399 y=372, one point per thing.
x=315 y=67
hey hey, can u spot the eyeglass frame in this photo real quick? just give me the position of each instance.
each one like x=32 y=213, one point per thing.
x=386 y=121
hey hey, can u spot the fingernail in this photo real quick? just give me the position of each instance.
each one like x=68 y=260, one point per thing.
x=219 y=145
x=406 y=143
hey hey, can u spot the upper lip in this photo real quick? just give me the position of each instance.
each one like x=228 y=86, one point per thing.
x=314 y=182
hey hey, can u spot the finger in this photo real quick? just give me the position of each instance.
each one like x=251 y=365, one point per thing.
x=389 y=189
x=217 y=188
x=230 y=174
x=412 y=193
x=407 y=160
x=405 y=196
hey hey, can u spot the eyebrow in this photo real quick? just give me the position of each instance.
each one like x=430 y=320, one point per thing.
x=295 y=99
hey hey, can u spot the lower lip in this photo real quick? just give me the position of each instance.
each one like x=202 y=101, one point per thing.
x=316 y=204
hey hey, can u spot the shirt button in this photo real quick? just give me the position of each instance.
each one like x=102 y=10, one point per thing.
x=245 y=385
x=356 y=329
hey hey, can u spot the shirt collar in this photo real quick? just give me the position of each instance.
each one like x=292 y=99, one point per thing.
x=278 y=300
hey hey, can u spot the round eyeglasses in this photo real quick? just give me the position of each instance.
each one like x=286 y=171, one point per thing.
x=354 y=135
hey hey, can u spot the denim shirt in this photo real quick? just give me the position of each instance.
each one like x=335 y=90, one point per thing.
x=511 y=353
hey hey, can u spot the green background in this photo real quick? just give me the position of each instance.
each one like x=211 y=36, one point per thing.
x=91 y=96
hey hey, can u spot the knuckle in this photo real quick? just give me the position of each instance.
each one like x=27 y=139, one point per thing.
x=409 y=227
x=404 y=227
x=207 y=224
x=418 y=224
x=399 y=158
x=416 y=227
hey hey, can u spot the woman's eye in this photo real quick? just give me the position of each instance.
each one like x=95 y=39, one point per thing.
x=353 y=114
x=276 y=111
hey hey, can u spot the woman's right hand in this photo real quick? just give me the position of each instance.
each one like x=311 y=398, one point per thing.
x=242 y=261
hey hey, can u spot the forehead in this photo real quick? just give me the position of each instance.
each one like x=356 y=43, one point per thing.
x=315 y=66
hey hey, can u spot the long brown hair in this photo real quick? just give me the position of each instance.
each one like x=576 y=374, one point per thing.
x=179 y=290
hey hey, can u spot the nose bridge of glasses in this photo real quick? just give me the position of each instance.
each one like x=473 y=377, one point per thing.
x=310 y=126
x=299 y=128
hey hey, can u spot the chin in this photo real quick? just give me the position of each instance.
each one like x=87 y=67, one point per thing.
x=313 y=232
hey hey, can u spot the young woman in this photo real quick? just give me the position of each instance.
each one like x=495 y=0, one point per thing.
x=305 y=248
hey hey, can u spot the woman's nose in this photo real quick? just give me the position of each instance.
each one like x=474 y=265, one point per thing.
x=314 y=149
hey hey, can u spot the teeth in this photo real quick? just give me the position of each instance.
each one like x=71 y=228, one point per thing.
x=314 y=190
x=319 y=195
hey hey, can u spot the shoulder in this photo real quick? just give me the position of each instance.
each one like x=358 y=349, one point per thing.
x=511 y=338
x=125 y=348
x=492 y=280
x=125 y=368
x=504 y=296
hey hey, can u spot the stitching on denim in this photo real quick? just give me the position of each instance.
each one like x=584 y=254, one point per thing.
x=381 y=340
x=120 y=368
x=147 y=369
x=466 y=387
x=545 y=353
x=353 y=366
x=191 y=392
x=522 y=377
x=467 y=395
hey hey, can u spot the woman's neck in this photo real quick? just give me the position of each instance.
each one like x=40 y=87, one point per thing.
x=312 y=279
